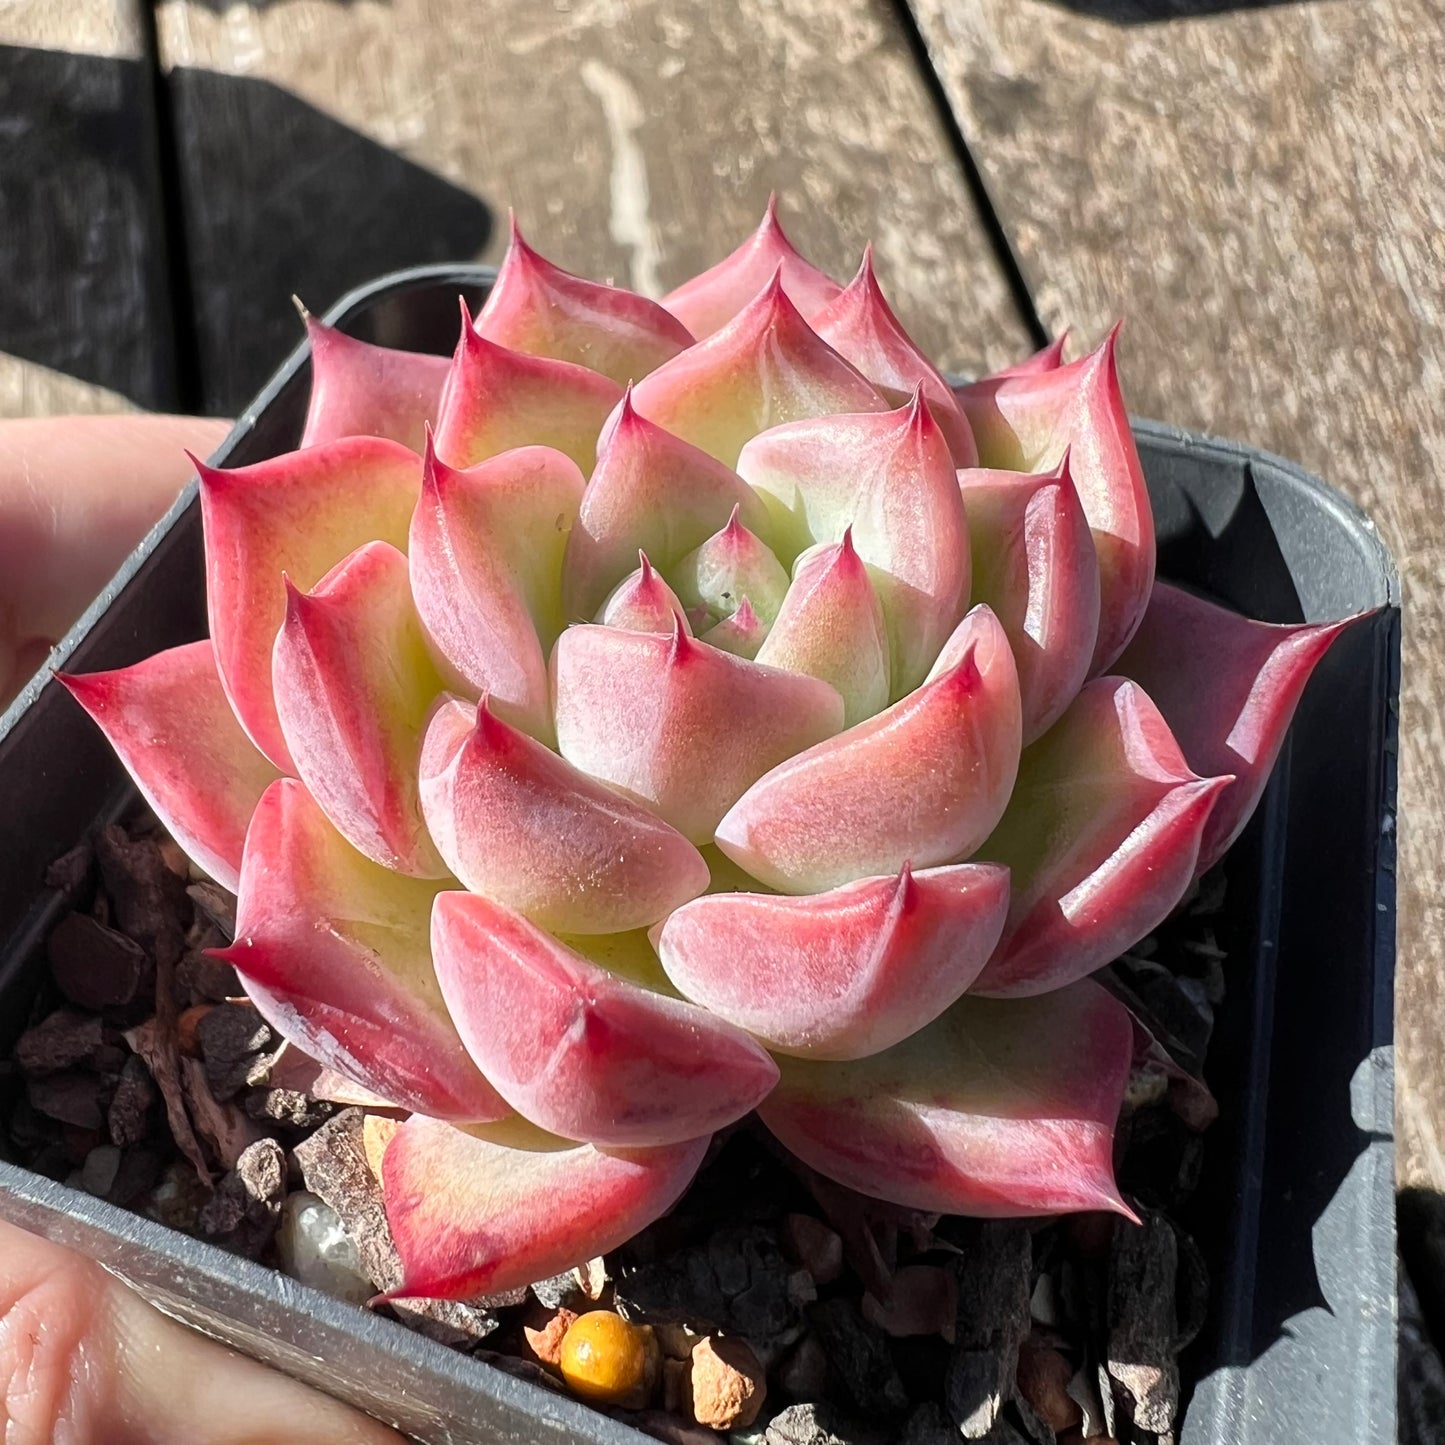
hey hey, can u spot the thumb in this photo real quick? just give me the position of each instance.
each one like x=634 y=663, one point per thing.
x=85 y=1361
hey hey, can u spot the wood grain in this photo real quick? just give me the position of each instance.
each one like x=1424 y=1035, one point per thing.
x=85 y=321
x=1259 y=191
x=636 y=141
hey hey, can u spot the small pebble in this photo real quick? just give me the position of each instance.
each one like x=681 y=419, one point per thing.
x=608 y=1361
x=97 y=1174
x=923 y=1300
x=810 y=1243
x=727 y=1383
x=60 y=1041
x=546 y=1342
x=1043 y=1380
x=377 y=1131
x=312 y=1247
x=803 y=1375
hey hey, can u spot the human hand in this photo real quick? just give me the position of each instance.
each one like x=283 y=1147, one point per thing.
x=83 y=1360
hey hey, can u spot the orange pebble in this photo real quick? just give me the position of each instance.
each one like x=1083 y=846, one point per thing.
x=186 y=1040
x=609 y=1361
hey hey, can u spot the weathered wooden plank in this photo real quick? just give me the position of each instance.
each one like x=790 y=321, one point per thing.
x=1259 y=192
x=85 y=320
x=636 y=141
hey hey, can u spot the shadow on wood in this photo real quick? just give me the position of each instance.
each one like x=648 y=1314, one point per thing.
x=1150 y=12
x=82 y=246
x=275 y=198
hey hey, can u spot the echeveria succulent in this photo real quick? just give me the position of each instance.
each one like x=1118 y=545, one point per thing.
x=663 y=712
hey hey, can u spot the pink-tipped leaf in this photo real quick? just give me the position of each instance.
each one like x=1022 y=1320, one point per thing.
x=540 y=309
x=710 y=300
x=472 y=1217
x=729 y=566
x=524 y=827
x=487 y=546
x=496 y=399
x=842 y=974
x=680 y=727
x=742 y=634
x=765 y=367
x=891 y=479
x=1034 y=564
x=583 y=1052
x=295 y=516
x=334 y=951
x=358 y=389
x=168 y=719
x=923 y=783
x=1101 y=837
x=994 y=1109
x=354 y=684
x=642 y=602
x=650 y=491
x=1228 y=688
x=1026 y=423
x=859 y=325
x=831 y=627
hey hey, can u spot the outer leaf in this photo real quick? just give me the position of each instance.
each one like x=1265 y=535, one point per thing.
x=496 y=399
x=730 y=566
x=334 y=951
x=362 y=390
x=523 y=826
x=1101 y=835
x=582 y=1052
x=831 y=627
x=709 y=301
x=486 y=562
x=859 y=325
x=294 y=516
x=843 y=974
x=924 y=782
x=1228 y=688
x=642 y=602
x=354 y=685
x=765 y=367
x=168 y=719
x=679 y=726
x=650 y=491
x=471 y=1217
x=1034 y=564
x=995 y=1109
x=891 y=480
x=543 y=310
x=1026 y=422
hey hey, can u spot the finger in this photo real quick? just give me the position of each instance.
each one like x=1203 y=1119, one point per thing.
x=84 y=1361
x=76 y=495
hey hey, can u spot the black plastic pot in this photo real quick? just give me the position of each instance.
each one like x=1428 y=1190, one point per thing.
x=1296 y=1214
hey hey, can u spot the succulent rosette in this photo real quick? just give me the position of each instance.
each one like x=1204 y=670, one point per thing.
x=661 y=712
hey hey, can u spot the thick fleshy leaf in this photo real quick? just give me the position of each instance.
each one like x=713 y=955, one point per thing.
x=523 y=826
x=843 y=974
x=765 y=367
x=496 y=399
x=709 y=301
x=860 y=326
x=653 y=492
x=1046 y=358
x=354 y=683
x=540 y=309
x=642 y=602
x=334 y=951
x=295 y=516
x=358 y=389
x=681 y=727
x=1101 y=837
x=923 y=783
x=168 y=719
x=580 y=1051
x=1026 y=423
x=471 y=1217
x=1034 y=564
x=995 y=1109
x=891 y=479
x=831 y=627
x=742 y=634
x=729 y=566
x=486 y=565
x=1228 y=687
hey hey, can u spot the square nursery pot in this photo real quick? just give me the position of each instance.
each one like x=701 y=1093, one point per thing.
x=1296 y=1212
